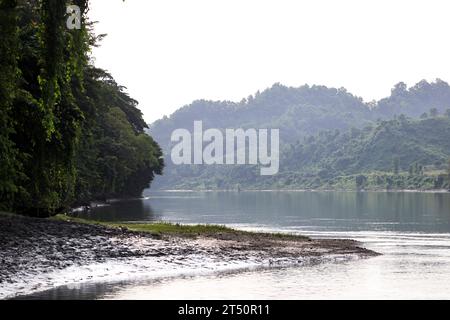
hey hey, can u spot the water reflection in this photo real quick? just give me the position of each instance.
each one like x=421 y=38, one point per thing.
x=396 y=211
x=411 y=230
x=123 y=210
x=413 y=266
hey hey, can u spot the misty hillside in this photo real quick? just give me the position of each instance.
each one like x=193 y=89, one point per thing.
x=305 y=110
x=373 y=148
x=415 y=101
x=324 y=133
x=299 y=111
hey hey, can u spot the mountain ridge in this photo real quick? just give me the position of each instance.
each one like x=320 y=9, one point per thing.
x=306 y=115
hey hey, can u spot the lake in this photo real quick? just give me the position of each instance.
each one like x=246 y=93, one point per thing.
x=410 y=229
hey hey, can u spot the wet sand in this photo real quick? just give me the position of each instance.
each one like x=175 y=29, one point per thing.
x=37 y=254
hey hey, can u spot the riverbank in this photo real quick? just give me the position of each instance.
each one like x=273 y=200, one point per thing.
x=309 y=190
x=38 y=254
x=429 y=181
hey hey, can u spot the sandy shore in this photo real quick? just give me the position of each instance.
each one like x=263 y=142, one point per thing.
x=38 y=254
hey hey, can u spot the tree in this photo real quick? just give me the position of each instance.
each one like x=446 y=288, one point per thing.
x=448 y=173
x=389 y=183
x=447 y=113
x=399 y=89
x=9 y=167
x=69 y=132
x=424 y=115
x=420 y=170
x=434 y=112
x=402 y=118
x=47 y=115
x=360 y=181
x=119 y=159
x=396 y=163
x=416 y=168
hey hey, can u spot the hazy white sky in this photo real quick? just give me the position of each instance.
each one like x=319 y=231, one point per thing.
x=169 y=53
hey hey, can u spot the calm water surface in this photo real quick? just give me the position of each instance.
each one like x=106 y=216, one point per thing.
x=411 y=230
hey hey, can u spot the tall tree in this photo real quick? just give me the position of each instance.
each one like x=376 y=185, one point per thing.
x=396 y=164
x=448 y=173
x=434 y=112
x=9 y=168
x=51 y=115
x=360 y=181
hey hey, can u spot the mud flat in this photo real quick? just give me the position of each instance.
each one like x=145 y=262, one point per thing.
x=39 y=254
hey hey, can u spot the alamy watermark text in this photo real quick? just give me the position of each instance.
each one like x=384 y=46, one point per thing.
x=238 y=146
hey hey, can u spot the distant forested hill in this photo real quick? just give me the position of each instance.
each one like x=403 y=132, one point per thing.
x=416 y=101
x=374 y=147
x=325 y=133
x=299 y=111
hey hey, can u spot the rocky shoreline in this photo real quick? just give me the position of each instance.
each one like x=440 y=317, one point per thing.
x=34 y=253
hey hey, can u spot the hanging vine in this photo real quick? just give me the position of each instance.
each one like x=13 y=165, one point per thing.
x=9 y=167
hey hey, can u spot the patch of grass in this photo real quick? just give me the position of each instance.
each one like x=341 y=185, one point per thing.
x=166 y=228
x=171 y=228
x=6 y=214
x=62 y=217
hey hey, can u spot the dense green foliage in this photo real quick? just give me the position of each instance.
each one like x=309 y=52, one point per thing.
x=115 y=157
x=389 y=146
x=330 y=139
x=9 y=168
x=69 y=133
